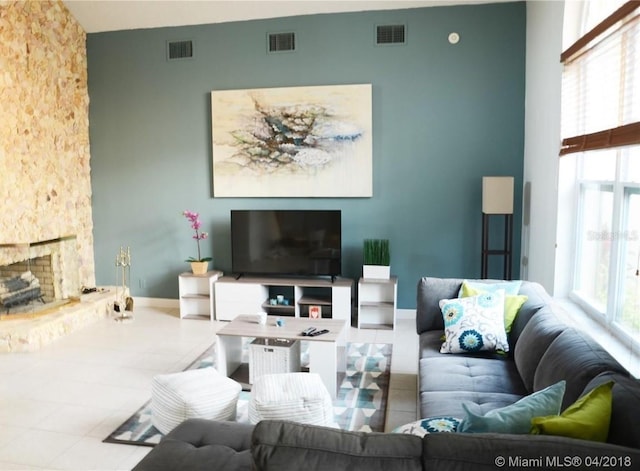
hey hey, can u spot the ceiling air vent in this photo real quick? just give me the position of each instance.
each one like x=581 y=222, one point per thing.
x=390 y=34
x=179 y=50
x=281 y=42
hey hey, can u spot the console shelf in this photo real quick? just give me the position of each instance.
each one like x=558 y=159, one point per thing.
x=251 y=294
x=377 y=303
x=196 y=300
x=278 y=309
x=315 y=300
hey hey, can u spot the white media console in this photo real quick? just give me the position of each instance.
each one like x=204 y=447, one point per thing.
x=252 y=294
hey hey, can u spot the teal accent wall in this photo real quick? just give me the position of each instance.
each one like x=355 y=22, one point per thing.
x=443 y=116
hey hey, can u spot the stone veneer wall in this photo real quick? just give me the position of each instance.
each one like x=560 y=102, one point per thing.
x=45 y=185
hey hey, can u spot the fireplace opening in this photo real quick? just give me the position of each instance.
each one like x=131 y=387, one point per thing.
x=37 y=277
x=19 y=291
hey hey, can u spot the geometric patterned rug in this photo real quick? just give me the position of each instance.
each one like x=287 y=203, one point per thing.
x=360 y=404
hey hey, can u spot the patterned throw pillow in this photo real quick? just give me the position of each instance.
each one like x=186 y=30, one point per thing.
x=474 y=324
x=431 y=425
x=512 y=303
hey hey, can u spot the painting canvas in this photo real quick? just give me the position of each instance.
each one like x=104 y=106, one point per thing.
x=292 y=142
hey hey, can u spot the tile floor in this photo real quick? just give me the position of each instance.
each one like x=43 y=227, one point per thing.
x=58 y=404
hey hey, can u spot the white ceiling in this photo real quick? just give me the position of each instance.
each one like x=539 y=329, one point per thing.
x=112 y=15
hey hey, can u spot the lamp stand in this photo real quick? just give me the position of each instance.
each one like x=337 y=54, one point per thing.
x=505 y=252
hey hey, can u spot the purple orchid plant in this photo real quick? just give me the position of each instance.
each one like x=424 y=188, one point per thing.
x=194 y=219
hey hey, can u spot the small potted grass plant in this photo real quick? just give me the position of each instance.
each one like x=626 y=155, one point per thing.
x=376 y=259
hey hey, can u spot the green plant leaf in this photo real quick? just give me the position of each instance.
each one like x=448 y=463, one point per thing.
x=376 y=252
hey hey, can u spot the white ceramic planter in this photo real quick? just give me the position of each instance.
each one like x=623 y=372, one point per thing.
x=199 y=268
x=379 y=272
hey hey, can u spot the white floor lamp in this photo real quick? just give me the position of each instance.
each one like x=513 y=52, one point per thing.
x=497 y=199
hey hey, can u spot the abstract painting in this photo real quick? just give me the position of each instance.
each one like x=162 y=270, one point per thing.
x=292 y=142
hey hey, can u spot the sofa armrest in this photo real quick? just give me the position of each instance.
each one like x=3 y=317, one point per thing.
x=199 y=444
x=492 y=451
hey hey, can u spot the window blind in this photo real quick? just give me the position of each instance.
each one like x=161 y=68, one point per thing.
x=601 y=85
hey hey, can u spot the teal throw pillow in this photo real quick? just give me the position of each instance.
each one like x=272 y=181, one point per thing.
x=423 y=427
x=516 y=418
x=511 y=288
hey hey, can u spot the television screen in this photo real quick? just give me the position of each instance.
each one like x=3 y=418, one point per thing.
x=286 y=242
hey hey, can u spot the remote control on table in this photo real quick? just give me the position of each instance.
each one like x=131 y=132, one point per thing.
x=308 y=331
x=318 y=332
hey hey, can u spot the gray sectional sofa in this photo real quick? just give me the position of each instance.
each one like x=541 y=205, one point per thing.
x=544 y=349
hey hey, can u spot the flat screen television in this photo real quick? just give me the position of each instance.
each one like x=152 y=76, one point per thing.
x=286 y=242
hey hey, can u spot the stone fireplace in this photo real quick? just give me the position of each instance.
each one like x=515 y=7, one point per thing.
x=37 y=276
x=48 y=271
x=45 y=182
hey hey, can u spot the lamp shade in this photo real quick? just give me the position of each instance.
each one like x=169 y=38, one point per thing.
x=497 y=195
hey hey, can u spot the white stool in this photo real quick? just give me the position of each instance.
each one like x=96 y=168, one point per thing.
x=300 y=397
x=201 y=393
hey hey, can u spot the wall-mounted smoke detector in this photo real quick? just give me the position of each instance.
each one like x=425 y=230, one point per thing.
x=281 y=42
x=391 y=34
x=179 y=50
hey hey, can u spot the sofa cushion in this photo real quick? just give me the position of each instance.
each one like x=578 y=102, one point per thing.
x=172 y=455
x=287 y=445
x=587 y=419
x=515 y=418
x=536 y=337
x=576 y=358
x=202 y=445
x=474 y=324
x=430 y=292
x=537 y=298
x=449 y=403
x=469 y=373
x=625 y=413
x=430 y=343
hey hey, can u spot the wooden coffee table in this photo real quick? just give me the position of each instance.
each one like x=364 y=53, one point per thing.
x=326 y=352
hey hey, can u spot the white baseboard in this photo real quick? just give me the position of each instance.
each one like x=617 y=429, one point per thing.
x=156 y=302
x=175 y=304
x=405 y=313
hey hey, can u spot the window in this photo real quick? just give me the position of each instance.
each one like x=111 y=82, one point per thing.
x=601 y=126
x=628 y=314
x=594 y=253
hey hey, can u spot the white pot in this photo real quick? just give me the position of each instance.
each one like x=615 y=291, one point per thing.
x=199 y=268
x=380 y=272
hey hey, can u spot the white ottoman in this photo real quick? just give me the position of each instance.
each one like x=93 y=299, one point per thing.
x=300 y=397
x=201 y=393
